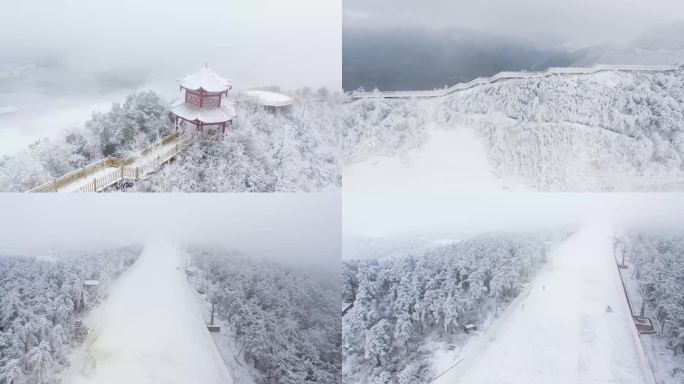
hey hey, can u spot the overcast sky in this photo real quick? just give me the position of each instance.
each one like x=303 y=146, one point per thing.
x=577 y=21
x=376 y=215
x=297 y=228
x=291 y=43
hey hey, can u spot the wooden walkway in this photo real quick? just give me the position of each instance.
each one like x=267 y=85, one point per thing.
x=97 y=176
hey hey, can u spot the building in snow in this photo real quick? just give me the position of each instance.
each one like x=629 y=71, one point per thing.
x=271 y=101
x=204 y=104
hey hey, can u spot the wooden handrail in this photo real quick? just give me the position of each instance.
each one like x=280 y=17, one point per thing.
x=125 y=168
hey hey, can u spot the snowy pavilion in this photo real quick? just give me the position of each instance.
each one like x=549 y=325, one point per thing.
x=202 y=105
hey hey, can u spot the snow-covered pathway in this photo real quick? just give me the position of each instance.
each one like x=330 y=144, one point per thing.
x=149 y=330
x=450 y=160
x=574 y=326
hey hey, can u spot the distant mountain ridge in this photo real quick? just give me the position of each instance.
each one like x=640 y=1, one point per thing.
x=411 y=59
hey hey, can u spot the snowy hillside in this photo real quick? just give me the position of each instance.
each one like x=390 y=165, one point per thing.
x=572 y=324
x=41 y=300
x=654 y=278
x=407 y=308
x=149 y=328
x=591 y=132
x=295 y=151
x=263 y=152
x=279 y=325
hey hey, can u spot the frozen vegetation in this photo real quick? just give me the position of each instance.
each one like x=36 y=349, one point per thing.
x=400 y=308
x=295 y=150
x=654 y=278
x=561 y=133
x=41 y=299
x=284 y=323
x=570 y=325
x=139 y=121
x=285 y=151
x=149 y=327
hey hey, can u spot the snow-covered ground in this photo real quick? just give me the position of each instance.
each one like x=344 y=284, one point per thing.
x=449 y=160
x=147 y=163
x=80 y=183
x=155 y=156
x=572 y=325
x=268 y=97
x=149 y=330
x=241 y=372
x=660 y=357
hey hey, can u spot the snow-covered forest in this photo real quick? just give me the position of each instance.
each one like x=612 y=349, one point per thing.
x=656 y=288
x=567 y=132
x=42 y=298
x=284 y=321
x=295 y=151
x=400 y=304
x=263 y=151
x=140 y=120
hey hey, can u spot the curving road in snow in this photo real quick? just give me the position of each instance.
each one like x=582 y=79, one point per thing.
x=571 y=326
x=149 y=330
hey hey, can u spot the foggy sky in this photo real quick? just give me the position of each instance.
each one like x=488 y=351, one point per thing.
x=291 y=43
x=377 y=215
x=293 y=228
x=577 y=22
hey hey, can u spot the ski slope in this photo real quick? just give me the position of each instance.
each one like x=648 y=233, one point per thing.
x=149 y=330
x=450 y=160
x=571 y=326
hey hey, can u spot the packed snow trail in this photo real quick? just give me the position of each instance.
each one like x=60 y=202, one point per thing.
x=149 y=330
x=573 y=326
x=450 y=160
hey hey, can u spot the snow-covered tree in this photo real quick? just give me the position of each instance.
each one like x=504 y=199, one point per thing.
x=286 y=321
x=399 y=301
x=39 y=302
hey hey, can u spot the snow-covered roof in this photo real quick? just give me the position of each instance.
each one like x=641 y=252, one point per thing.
x=206 y=115
x=207 y=80
x=268 y=98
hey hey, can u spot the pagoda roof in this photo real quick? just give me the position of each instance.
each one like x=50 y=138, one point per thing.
x=211 y=115
x=207 y=80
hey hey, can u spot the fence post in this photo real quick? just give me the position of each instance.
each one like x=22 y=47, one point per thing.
x=137 y=172
x=94 y=184
x=54 y=184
